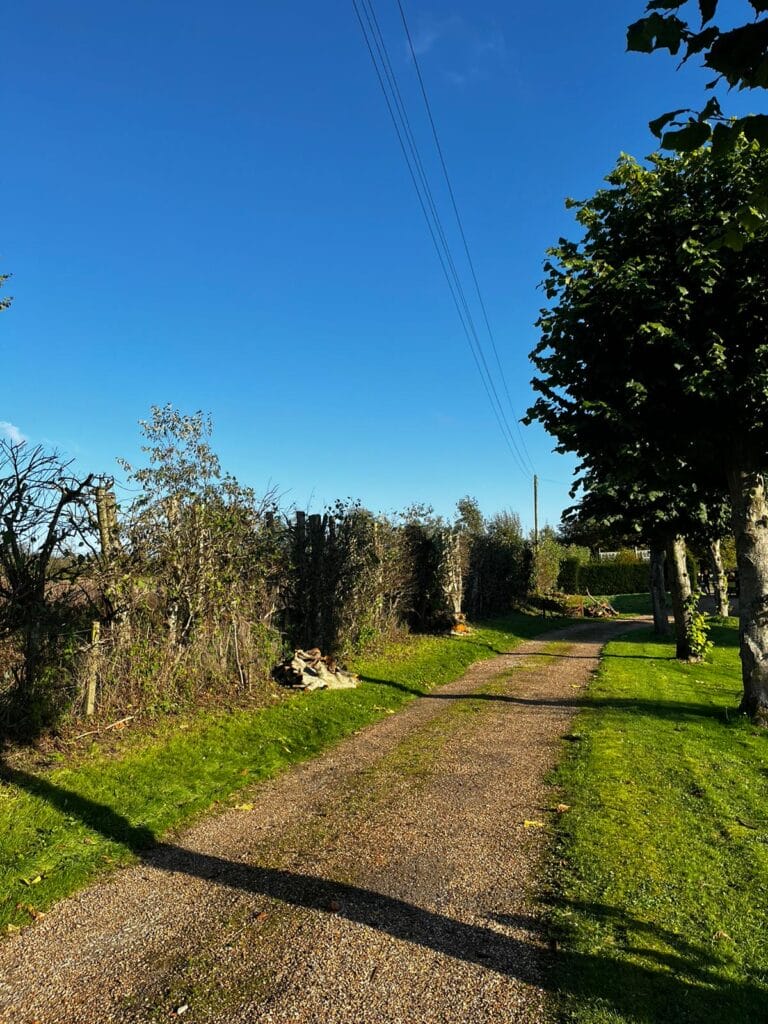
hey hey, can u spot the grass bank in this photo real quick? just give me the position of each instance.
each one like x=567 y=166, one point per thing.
x=660 y=903
x=61 y=827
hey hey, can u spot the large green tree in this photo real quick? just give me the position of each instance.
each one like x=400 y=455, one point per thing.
x=656 y=342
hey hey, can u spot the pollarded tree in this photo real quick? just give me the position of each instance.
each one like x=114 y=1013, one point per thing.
x=656 y=342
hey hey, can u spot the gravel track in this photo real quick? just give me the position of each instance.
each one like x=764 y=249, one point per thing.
x=391 y=880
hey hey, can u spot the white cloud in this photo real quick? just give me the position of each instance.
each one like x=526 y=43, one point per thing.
x=431 y=29
x=465 y=50
x=12 y=433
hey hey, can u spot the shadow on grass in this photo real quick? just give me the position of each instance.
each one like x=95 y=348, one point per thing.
x=686 y=977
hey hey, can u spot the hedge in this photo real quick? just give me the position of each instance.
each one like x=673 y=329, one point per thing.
x=603 y=577
x=610 y=577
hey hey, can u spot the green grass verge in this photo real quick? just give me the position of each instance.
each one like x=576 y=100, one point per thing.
x=59 y=828
x=660 y=900
x=632 y=604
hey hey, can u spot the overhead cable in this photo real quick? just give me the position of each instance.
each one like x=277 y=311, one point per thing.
x=396 y=107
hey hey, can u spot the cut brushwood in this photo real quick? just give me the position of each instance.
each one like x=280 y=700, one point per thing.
x=311 y=670
x=595 y=608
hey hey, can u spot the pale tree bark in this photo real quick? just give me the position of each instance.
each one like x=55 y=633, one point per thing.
x=680 y=585
x=658 y=591
x=719 y=579
x=750 y=524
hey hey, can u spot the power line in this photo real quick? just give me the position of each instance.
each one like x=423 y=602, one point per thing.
x=409 y=147
x=455 y=206
x=446 y=255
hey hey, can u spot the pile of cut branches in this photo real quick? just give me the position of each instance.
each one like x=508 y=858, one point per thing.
x=311 y=670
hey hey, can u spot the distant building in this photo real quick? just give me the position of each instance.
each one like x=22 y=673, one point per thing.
x=642 y=554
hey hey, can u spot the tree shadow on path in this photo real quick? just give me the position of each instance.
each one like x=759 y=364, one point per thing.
x=622 y=985
x=656 y=708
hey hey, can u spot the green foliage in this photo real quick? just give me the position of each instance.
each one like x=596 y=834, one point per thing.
x=546 y=562
x=651 y=351
x=697 y=628
x=200 y=586
x=604 y=577
x=737 y=55
x=196 y=529
x=568 y=580
x=657 y=908
x=497 y=565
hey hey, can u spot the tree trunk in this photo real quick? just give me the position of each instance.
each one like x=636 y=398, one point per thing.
x=750 y=524
x=719 y=580
x=680 y=585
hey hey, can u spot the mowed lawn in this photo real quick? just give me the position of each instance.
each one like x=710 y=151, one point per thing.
x=660 y=895
x=60 y=827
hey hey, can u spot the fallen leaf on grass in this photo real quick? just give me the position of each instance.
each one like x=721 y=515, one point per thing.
x=36 y=880
x=533 y=824
x=719 y=935
x=243 y=807
x=33 y=912
x=562 y=808
x=11 y=928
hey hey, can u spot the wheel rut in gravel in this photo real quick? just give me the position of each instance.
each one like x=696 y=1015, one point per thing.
x=392 y=879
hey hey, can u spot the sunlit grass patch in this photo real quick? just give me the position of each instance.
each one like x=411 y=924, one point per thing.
x=660 y=904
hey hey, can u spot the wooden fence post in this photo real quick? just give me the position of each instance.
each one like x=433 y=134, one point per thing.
x=316 y=532
x=90 y=693
x=300 y=583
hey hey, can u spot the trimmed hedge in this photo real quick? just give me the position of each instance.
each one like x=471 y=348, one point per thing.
x=568 y=580
x=603 y=577
x=611 y=577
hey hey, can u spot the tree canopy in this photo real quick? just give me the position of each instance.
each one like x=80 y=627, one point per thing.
x=654 y=348
x=738 y=55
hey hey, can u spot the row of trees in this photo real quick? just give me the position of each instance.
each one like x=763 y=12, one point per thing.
x=653 y=368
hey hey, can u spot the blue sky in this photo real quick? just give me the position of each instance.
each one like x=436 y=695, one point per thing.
x=205 y=204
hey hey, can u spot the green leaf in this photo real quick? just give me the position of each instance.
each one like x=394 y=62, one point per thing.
x=693 y=136
x=724 y=138
x=659 y=123
x=707 y=8
x=701 y=41
x=755 y=127
x=740 y=54
x=656 y=32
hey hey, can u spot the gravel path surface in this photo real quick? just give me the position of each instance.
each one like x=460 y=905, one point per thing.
x=391 y=880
